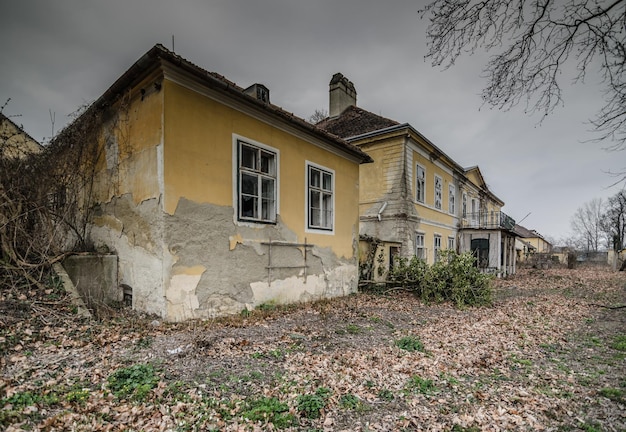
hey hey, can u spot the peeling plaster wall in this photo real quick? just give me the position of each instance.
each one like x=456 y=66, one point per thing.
x=134 y=233
x=219 y=268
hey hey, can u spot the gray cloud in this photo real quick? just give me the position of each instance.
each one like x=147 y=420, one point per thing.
x=61 y=55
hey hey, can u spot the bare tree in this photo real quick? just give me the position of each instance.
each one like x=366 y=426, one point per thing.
x=614 y=220
x=41 y=196
x=318 y=116
x=587 y=225
x=535 y=42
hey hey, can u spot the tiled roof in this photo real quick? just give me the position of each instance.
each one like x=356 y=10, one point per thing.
x=355 y=121
x=525 y=232
x=158 y=53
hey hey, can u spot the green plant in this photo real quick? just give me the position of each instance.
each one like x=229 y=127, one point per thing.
x=276 y=353
x=614 y=394
x=310 y=405
x=78 y=396
x=520 y=361
x=386 y=395
x=619 y=343
x=459 y=428
x=418 y=384
x=269 y=410
x=135 y=381
x=22 y=399
x=267 y=307
x=593 y=427
x=353 y=329
x=454 y=277
x=410 y=344
x=144 y=342
x=350 y=401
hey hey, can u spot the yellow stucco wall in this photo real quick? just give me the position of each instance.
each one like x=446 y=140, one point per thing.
x=127 y=148
x=379 y=178
x=434 y=222
x=14 y=142
x=198 y=164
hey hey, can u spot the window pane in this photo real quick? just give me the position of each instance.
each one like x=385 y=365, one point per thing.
x=267 y=163
x=328 y=182
x=327 y=207
x=249 y=206
x=314 y=177
x=248 y=157
x=267 y=188
x=249 y=184
x=268 y=209
x=314 y=208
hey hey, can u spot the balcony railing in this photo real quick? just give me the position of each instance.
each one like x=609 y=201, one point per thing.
x=488 y=220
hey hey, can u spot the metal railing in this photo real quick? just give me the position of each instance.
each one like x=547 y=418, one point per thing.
x=488 y=220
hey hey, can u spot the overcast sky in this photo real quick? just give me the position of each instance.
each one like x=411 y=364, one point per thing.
x=60 y=55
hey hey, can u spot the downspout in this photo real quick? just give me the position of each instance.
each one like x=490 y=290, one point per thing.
x=382 y=209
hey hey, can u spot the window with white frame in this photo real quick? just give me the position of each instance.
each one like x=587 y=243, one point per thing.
x=256 y=183
x=420 y=250
x=436 y=246
x=451 y=199
x=320 y=193
x=420 y=183
x=438 y=191
x=451 y=243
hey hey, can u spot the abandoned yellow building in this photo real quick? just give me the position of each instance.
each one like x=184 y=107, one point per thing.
x=15 y=143
x=415 y=200
x=530 y=242
x=215 y=200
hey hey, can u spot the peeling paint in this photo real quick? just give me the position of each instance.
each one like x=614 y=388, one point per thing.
x=234 y=240
x=340 y=281
x=181 y=296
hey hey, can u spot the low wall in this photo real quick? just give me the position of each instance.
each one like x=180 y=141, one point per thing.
x=95 y=278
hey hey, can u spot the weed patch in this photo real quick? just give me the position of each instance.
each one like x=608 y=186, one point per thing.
x=421 y=385
x=269 y=410
x=410 y=344
x=135 y=382
x=311 y=405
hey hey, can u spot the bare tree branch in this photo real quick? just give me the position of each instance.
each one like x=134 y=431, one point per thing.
x=537 y=41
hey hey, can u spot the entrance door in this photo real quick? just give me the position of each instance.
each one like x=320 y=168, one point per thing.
x=480 y=249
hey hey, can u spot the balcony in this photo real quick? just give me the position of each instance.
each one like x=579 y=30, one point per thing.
x=487 y=220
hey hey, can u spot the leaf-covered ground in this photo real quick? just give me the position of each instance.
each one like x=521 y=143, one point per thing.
x=548 y=355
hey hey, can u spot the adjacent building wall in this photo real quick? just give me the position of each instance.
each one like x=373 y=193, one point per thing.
x=126 y=201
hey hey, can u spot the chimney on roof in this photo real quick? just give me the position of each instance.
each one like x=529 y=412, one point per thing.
x=258 y=91
x=342 y=95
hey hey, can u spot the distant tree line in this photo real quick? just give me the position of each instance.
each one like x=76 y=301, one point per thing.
x=600 y=224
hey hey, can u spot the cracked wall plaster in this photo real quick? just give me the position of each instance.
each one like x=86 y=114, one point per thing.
x=235 y=260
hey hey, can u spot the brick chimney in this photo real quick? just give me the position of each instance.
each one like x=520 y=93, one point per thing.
x=342 y=95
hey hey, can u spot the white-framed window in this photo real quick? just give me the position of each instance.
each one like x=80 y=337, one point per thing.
x=438 y=191
x=464 y=205
x=436 y=246
x=420 y=183
x=451 y=243
x=420 y=250
x=257 y=168
x=320 y=197
x=451 y=199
